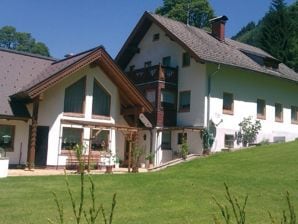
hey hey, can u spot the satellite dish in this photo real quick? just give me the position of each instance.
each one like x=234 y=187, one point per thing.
x=216 y=119
x=145 y=121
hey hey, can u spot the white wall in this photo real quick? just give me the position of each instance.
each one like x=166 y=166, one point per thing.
x=20 y=146
x=247 y=87
x=51 y=111
x=190 y=78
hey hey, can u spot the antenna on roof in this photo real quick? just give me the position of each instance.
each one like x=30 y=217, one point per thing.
x=188 y=13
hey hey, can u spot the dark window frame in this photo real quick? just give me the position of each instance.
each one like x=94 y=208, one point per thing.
x=168 y=60
x=278 y=108
x=180 y=136
x=261 y=105
x=101 y=146
x=156 y=37
x=82 y=112
x=72 y=145
x=294 y=114
x=183 y=108
x=110 y=100
x=230 y=144
x=13 y=129
x=185 y=59
x=230 y=109
x=168 y=145
x=167 y=105
x=147 y=64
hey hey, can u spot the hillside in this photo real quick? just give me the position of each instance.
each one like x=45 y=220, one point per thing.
x=276 y=33
x=180 y=194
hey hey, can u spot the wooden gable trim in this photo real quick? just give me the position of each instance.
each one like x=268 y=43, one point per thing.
x=125 y=86
x=142 y=27
x=101 y=58
x=47 y=83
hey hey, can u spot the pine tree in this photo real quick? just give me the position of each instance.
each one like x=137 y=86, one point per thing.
x=276 y=31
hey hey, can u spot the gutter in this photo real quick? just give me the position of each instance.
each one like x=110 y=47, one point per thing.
x=209 y=93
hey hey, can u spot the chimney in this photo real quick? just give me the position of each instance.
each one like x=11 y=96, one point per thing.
x=218 y=27
x=68 y=55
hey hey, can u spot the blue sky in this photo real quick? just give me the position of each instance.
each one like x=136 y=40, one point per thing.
x=67 y=26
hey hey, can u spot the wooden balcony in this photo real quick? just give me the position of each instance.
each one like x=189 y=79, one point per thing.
x=154 y=73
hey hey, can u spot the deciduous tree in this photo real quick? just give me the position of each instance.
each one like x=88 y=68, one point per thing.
x=20 y=41
x=197 y=11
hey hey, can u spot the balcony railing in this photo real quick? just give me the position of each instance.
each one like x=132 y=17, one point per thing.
x=154 y=73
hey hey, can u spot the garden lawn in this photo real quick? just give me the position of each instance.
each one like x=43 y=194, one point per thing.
x=180 y=194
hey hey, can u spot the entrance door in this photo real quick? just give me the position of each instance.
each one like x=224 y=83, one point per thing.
x=41 y=149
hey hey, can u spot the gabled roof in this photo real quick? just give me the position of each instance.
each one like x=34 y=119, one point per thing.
x=41 y=75
x=202 y=46
x=16 y=70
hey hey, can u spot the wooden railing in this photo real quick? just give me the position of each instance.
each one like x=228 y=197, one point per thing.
x=154 y=73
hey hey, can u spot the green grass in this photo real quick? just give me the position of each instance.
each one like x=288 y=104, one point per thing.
x=180 y=194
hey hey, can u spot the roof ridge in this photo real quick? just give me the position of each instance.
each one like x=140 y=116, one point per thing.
x=78 y=54
x=27 y=54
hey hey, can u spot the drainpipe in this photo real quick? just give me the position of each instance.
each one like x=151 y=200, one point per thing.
x=209 y=93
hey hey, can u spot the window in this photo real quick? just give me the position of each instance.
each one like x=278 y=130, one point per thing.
x=101 y=100
x=147 y=64
x=151 y=95
x=166 y=61
x=131 y=68
x=75 y=97
x=185 y=59
x=71 y=137
x=228 y=103
x=278 y=112
x=229 y=141
x=261 y=109
x=181 y=136
x=168 y=99
x=100 y=140
x=166 y=140
x=184 y=101
x=155 y=37
x=294 y=114
x=7 y=137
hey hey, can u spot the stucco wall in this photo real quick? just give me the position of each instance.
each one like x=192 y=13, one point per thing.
x=246 y=88
x=190 y=78
x=20 y=147
x=51 y=112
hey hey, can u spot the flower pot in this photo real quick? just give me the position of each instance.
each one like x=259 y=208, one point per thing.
x=109 y=169
x=4 y=167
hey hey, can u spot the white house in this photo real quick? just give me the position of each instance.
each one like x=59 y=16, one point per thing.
x=196 y=79
x=48 y=106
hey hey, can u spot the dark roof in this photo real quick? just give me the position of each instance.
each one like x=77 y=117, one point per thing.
x=202 y=46
x=25 y=76
x=16 y=70
x=56 y=67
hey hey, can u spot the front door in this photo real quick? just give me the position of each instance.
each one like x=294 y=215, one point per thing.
x=41 y=149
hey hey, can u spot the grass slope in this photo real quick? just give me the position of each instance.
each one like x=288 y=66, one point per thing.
x=180 y=194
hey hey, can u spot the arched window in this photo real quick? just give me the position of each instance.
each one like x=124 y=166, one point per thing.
x=75 y=97
x=101 y=100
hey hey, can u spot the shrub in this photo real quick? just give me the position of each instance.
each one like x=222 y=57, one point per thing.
x=248 y=131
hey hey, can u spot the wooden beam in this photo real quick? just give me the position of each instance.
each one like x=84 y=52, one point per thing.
x=33 y=134
x=132 y=111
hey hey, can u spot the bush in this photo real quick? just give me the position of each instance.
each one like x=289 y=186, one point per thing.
x=248 y=131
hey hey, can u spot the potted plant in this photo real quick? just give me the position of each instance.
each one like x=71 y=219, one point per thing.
x=4 y=161
x=109 y=163
x=136 y=154
x=150 y=158
x=116 y=161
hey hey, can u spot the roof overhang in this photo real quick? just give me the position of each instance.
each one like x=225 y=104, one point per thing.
x=128 y=50
x=129 y=95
